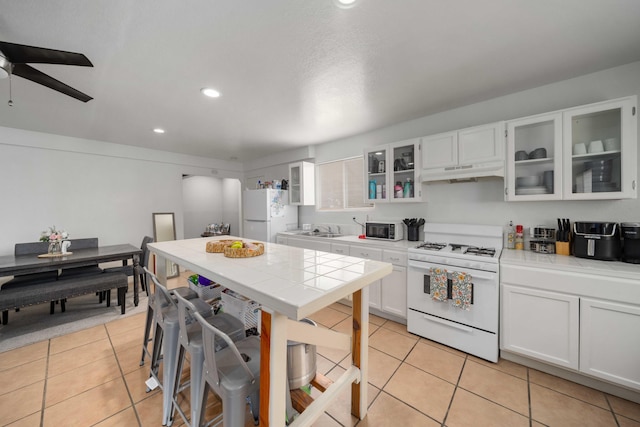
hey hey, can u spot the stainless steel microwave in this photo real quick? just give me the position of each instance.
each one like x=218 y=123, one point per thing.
x=384 y=230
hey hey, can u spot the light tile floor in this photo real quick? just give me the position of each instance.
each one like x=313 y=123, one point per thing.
x=93 y=378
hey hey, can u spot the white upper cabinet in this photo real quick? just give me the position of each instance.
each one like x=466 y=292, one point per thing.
x=534 y=158
x=392 y=172
x=607 y=166
x=582 y=153
x=302 y=182
x=462 y=154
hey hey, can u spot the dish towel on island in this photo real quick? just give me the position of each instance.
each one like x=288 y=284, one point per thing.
x=461 y=290
x=438 y=283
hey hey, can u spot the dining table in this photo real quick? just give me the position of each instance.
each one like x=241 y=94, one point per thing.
x=12 y=265
x=291 y=284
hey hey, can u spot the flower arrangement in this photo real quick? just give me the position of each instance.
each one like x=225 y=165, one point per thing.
x=53 y=235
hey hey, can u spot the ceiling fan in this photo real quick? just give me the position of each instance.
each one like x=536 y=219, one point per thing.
x=14 y=58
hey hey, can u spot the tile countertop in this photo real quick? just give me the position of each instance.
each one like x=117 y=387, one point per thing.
x=574 y=264
x=353 y=239
x=293 y=281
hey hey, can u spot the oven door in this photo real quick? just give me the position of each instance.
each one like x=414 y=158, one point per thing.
x=483 y=313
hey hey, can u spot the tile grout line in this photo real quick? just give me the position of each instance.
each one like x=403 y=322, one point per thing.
x=133 y=406
x=446 y=414
x=529 y=399
x=615 y=418
x=44 y=389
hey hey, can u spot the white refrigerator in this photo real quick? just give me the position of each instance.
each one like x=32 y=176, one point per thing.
x=266 y=213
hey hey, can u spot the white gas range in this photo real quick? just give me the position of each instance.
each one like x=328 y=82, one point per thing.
x=457 y=248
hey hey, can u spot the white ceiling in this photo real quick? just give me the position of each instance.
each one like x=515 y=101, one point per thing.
x=295 y=72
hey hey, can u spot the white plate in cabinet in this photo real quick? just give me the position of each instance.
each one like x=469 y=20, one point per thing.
x=610 y=341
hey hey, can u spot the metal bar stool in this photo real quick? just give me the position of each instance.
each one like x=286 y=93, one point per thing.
x=232 y=372
x=165 y=342
x=190 y=341
x=150 y=325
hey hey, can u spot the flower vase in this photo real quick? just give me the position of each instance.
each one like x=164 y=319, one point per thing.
x=55 y=248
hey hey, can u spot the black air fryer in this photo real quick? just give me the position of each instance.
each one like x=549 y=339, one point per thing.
x=597 y=240
x=630 y=242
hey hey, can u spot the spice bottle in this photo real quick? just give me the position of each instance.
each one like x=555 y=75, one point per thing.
x=519 y=237
x=511 y=236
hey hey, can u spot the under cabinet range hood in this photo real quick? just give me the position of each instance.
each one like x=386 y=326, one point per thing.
x=464 y=173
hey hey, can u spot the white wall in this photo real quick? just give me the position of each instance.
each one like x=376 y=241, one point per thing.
x=483 y=202
x=90 y=188
x=201 y=198
x=232 y=204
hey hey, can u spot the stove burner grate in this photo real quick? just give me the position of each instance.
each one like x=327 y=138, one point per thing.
x=480 y=251
x=431 y=245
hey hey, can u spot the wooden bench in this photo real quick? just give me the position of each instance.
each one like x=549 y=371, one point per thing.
x=59 y=289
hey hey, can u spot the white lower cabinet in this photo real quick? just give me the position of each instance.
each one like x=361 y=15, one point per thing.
x=309 y=244
x=393 y=288
x=610 y=341
x=388 y=295
x=374 y=288
x=281 y=240
x=540 y=324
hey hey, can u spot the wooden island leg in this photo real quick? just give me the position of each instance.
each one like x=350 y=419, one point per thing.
x=360 y=351
x=273 y=368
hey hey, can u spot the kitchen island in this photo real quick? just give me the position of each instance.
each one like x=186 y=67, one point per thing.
x=291 y=283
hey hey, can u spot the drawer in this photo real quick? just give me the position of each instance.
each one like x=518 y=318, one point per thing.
x=368 y=253
x=340 y=248
x=395 y=257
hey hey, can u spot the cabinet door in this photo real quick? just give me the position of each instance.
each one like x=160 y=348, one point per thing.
x=374 y=288
x=538 y=324
x=440 y=151
x=534 y=158
x=610 y=342
x=393 y=292
x=600 y=151
x=481 y=144
x=375 y=177
x=281 y=240
x=302 y=183
x=310 y=244
x=405 y=162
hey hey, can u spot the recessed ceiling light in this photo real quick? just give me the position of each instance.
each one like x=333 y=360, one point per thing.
x=158 y=130
x=345 y=4
x=211 y=93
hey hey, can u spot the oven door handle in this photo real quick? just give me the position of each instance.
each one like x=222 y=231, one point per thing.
x=447 y=323
x=476 y=273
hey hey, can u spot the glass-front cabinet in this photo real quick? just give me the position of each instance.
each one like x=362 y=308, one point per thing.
x=582 y=153
x=601 y=151
x=391 y=173
x=302 y=183
x=534 y=158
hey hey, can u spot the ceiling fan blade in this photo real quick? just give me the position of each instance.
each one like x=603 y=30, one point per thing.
x=22 y=54
x=30 y=73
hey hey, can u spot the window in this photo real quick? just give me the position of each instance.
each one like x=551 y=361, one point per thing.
x=340 y=185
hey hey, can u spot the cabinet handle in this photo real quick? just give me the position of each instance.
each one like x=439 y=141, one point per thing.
x=450 y=324
x=633 y=184
x=394 y=259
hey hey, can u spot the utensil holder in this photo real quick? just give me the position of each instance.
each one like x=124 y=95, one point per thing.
x=562 y=248
x=413 y=234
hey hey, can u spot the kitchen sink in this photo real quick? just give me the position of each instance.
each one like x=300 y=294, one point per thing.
x=318 y=234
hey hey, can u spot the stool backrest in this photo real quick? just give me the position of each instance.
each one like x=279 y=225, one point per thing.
x=229 y=357
x=162 y=297
x=185 y=308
